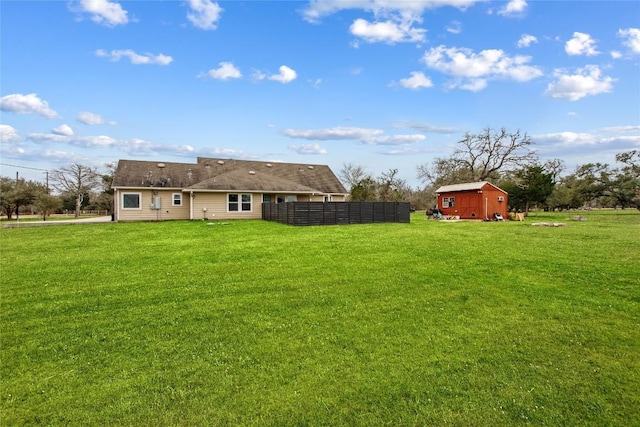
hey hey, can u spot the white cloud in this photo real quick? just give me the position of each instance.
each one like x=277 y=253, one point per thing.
x=631 y=39
x=417 y=81
x=474 y=85
x=581 y=44
x=26 y=104
x=45 y=138
x=286 y=75
x=63 y=130
x=258 y=75
x=622 y=129
x=394 y=139
x=387 y=31
x=92 y=119
x=98 y=141
x=104 y=12
x=577 y=146
x=567 y=138
x=204 y=14
x=393 y=21
x=8 y=134
x=615 y=54
x=316 y=10
x=315 y=83
x=526 y=40
x=135 y=58
x=225 y=71
x=336 y=133
x=403 y=151
x=425 y=127
x=455 y=27
x=364 y=135
x=308 y=149
x=473 y=70
x=514 y=7
x=587 y=81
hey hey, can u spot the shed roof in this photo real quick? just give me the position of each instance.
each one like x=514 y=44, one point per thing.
x=466 y=187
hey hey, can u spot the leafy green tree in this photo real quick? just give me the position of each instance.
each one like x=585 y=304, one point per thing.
x=566 y=194
x=531 y=185
x=46 y=204
x=364 y=190
x=16 y=193
x=629 y=178
x=103 y=200
x=69 y=201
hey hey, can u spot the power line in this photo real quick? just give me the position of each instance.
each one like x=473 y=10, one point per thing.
x=24 y=167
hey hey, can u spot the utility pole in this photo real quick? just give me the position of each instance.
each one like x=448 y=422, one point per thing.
x=17 y=204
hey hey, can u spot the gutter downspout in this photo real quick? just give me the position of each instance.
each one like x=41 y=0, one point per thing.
x=191 y=205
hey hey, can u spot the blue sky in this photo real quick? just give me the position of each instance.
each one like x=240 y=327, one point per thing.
x=384 y=84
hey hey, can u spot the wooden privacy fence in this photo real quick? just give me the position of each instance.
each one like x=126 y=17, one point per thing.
x=330 y=213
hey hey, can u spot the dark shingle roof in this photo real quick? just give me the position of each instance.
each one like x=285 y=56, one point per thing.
x=216 y=174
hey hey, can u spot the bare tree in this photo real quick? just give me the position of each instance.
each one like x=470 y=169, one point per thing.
x=75 y=179
x=390 y=187
x=351 y=175
x=555 y=167
x=484 y=154
x=443 y=171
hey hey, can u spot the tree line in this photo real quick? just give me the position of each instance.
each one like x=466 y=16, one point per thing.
x=78 y=187
x=508 y=160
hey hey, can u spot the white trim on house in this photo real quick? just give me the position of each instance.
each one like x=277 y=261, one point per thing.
x=124 y=207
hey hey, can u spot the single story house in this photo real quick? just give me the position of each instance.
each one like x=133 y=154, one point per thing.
x=215 y=188
x=473 y=200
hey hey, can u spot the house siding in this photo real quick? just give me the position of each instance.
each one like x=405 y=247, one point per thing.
x=216 y=206
x=145 y=213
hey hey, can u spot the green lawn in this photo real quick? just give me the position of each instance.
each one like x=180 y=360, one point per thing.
x=257 y=323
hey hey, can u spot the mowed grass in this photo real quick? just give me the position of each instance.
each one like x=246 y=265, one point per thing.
x=257 y=323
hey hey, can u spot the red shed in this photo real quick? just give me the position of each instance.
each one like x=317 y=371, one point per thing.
x=473 y=200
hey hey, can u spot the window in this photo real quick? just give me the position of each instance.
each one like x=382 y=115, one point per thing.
x=292 y=198
x=177 y=199
x=328 y=198
x=131 y=200
x=448 y=202
x=239 y=202
x=246 y=202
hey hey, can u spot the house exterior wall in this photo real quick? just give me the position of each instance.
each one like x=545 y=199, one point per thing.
x=167 y=210
x=216 y=205
x=206 y=205
x=471 y=204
